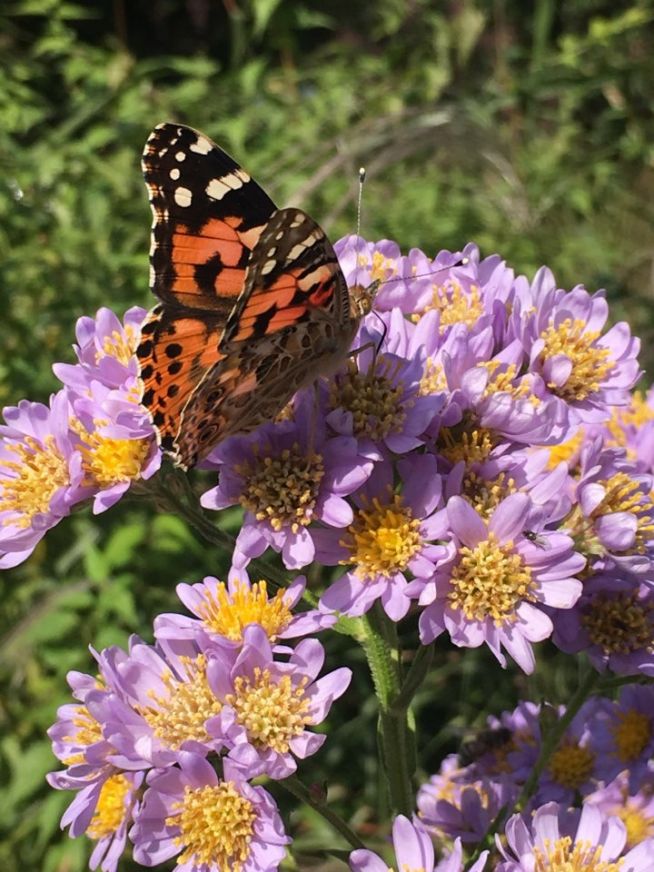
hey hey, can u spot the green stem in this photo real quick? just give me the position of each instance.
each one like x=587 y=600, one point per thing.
x=295 y=787
x=395 y=737
x=415 y=676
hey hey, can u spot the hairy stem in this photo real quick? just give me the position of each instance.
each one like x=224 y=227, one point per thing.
x=295 y=787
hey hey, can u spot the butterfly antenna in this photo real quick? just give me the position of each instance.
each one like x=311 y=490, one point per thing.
x=362 y=178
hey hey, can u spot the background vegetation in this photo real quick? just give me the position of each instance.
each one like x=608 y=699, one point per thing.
x=527 y=127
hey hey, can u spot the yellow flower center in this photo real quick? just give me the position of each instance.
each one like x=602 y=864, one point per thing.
x=107 y=461
x=591 y=363
x=119 y=345
x=87 y=732
x=271 y=710
x=461 y=443
x=216 y=825
x=111 y=808
x=636 y=415
x=380 y=268
x=383 y=538
x=29 y=483
x=571 y=765
x=502 y=380
x=486 y=494
x=227 y=614
x=632 y=734
x=563 y=856
x=283 y=490
x=181 y=714
x=372 y=398
x=619 y=624
x=639 y=825
x=566 y=450
x=455 y=305
x=624 y=494
x=433 y=380
x=489 y=581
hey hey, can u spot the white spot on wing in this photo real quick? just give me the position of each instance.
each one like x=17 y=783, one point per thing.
x=183 y=197
x=180 y=156
x=174 y=174
x=268 y=266
x=216 y=189
x=202 y=146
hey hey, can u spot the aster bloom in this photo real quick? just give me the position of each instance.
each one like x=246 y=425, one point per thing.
x=103 y=810
x=558 y=838
x=613 y=622
x=632 y=428
x=453 y=810
x=161 y=698
x=413 y=850
x=392 y=534
x=584 y=369
x=623 y=735
x=267 y=704
x=210 y=824
x=494 y=587
x=223 y=611
x=116 y=442
x=106 y=350
x=40 y=475
x=378 y=397
x=76 y=735
x=635 y=809
x=613 y=515
x=286 y=477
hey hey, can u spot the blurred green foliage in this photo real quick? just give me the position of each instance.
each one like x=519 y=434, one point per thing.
x=528 y=128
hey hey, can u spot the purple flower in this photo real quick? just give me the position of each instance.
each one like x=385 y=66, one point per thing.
x=585 y=370
x=413 y=850
x=223 y=611
x=106 y=350
x=378 y=397
x=286 y=477
x=623 y=736
x=391 y=535
x=161 y=699
x=613 y=622
x=267 y=704
x=116 y=441
x=40 y=475
x=451 y=809
x=213 y=824
x=635 y=810
x=494 y=586
x=560 y=838
x=102 y=810
x=613 y=515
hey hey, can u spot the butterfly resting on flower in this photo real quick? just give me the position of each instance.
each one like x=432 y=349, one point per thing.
x=253 y=304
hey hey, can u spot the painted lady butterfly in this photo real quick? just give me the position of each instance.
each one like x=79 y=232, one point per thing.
x=254 y=305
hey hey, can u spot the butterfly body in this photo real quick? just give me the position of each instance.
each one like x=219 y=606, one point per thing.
x=253 y=304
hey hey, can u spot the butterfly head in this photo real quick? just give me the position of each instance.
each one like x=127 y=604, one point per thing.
x=362 y=298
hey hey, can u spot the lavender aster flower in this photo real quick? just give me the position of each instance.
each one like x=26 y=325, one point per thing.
x=557 y=838
x=450 y=809
x=585 y=370
x=106 y=350
x=413 y=850
x=267 y=705
x=623 y=735
x=40 y=475
x=493 y=588
x=213 y=824
x=286 y=477
x=613 y=622
x=635 y=810
x=224 y=610
x=391 y=535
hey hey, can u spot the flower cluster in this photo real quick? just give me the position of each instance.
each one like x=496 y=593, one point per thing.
x=163 y=746
x=602 y=766
x=90 y=442
x=476 y=462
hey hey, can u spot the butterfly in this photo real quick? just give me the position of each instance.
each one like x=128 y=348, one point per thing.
x=253 y=304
